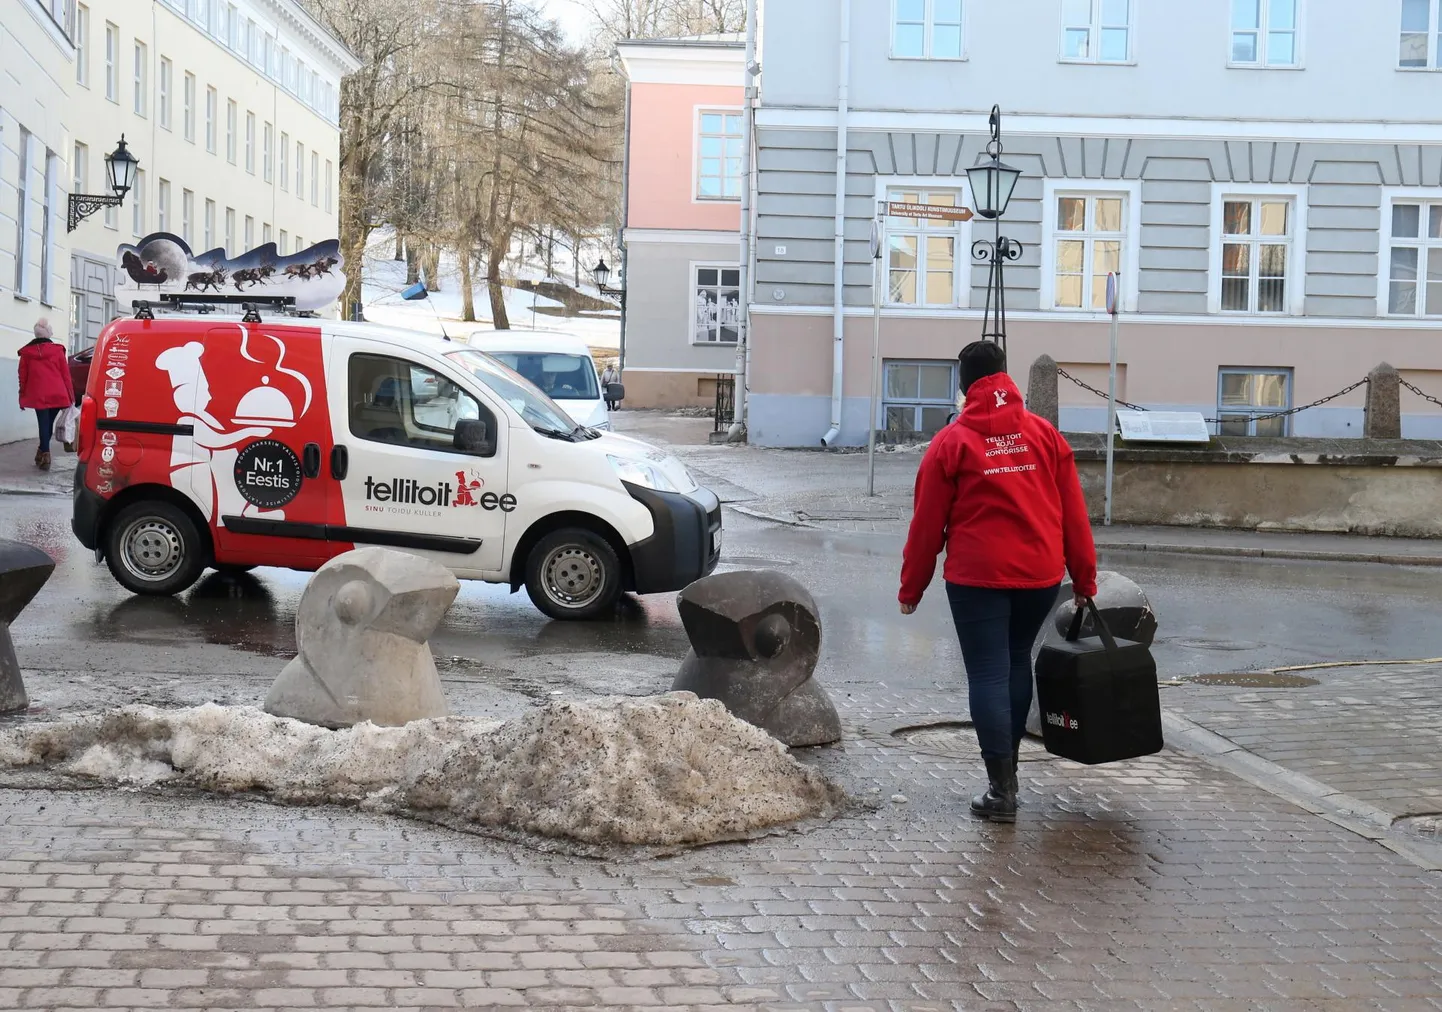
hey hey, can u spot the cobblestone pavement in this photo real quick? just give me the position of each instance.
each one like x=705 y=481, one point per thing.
x=1158 y=884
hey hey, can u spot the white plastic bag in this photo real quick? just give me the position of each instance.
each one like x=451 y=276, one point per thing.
x=67 y=425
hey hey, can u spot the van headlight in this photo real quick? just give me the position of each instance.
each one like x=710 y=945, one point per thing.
x=640 y=472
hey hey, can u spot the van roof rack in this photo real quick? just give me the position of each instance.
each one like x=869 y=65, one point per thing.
x=251 y=305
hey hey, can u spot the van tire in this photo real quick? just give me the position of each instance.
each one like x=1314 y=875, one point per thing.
x=573 y=574
x=154 y=548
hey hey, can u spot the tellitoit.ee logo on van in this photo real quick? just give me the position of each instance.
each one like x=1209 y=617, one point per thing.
x=408 y=491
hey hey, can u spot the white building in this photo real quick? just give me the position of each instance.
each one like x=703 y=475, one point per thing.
x=36 y=64
x=231 y=107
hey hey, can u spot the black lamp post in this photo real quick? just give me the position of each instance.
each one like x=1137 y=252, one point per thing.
x=120 y=166
x=992 y=183
x=601 y=273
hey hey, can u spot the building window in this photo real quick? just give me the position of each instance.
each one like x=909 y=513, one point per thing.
x=47 y=227
x=142 y=67
x=189 y=111
x=80 y=169
x=299 y=243
x=718 y=162
x=212 y=105
x=22 y=214
x=921 y=254
x=137 y=204
x=229 y=230
x=718 y=304
x=232 y=27
x=165 y=74
x=1414 y=285
x=926 y=29
x=249 y=232
x=232 y=115
x=209 y=224
x=314 y=179
x=1096 y=31
x=250 y=143
x=187 y=215
x=920 y=397
x=112 y=60
x=285 y=161
x=329 y=186
x=300 y=170
x=1089 y=238
x=1264 y=33
x=284 y=238
x=1245 y=394
x=267 y=153
x=82 y=45
x=162 y=206
x=1256 y=252
x=1421 y=35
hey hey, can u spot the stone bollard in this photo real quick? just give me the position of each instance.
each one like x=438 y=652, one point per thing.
x=361 y=632
x=1383 y=419
x=1123 y=606
x=23 y=571
x=1041 y=390
x=755 y=638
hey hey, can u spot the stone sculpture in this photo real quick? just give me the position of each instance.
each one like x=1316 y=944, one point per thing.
x=755 y=638
x=23 y=571
x=360 y=633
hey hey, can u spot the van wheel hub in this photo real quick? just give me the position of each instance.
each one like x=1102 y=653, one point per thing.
x=572 y=576
x=152 y=549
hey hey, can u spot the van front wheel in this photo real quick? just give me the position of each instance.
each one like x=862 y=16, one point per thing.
x=154 y=548
x=573 y=574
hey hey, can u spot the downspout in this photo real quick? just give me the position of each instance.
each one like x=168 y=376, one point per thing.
x=625 y=218
x=838 y=309
x=737 y=432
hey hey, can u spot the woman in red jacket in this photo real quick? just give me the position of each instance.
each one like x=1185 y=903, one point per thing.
x=999 y=489
x=45 y=385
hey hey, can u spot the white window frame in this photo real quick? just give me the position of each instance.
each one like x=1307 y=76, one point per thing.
x=1131 y=192
x=928 y=26
x=1264 y=17
x=23 y=148
x=209 y=242
x=1405 y=195
x=300 y=170
x=697 y=112
x=1287 y=373
x=716 y=265
x=162 y=205
x=267 y=153
x=884 y=402
x=80 y=168
x=212 y=116
x=963 y=264
x=112 y=62
x=167 y=79
x=1095 y=35
x=188 y=112
x=1434 y=40
x=187 y=217
x=329 y=187
x=285 y=161
x=283 y=241
x=250 y=142
x=249 y=232
x=82 y=45
x=48 y=225
x=1296 y=257
x=141 y=104
x=232 y=127
x=314 y=178
x=137 y=202
x=230 y=249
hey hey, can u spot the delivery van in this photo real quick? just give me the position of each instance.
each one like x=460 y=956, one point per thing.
x=559 y=364
x=233 y=442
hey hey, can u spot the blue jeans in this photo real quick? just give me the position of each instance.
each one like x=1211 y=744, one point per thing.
x=46 y=417
x=997 y=629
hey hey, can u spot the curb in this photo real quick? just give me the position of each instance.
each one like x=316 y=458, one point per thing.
x=1232 y=551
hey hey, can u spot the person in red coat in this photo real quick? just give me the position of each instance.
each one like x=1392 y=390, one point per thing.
x=999 y=488
x=45 y=385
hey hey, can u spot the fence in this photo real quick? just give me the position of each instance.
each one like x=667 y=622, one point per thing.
x=725 y=403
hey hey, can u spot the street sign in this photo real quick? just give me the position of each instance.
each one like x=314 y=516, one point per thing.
x=931 y=212
x=1163 y=427
x=875 y=240
x=1112 y=294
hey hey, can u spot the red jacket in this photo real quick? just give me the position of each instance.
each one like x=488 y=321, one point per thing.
x=45 y=376
x=999 y=488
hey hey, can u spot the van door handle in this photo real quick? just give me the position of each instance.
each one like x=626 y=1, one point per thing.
x=339 y=462
x=310 y=460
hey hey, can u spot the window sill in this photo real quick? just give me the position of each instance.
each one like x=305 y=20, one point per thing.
x=21 y=298
x=921 y=308
x=715 y=200
x=714 y=344
x=1264 y=66
x=1068 y=61
x=929 y=59
x=1419 y=70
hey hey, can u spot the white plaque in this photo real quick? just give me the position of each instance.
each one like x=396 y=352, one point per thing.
x=1163 y=427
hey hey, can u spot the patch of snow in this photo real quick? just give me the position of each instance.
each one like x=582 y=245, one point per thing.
x=669 y=769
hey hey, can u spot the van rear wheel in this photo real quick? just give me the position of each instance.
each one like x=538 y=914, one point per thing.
x=573 y=574
x=155 y=548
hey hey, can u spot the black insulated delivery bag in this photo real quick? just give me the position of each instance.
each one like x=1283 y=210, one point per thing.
x=1098 y=696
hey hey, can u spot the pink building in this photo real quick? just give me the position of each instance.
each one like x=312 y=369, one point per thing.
x=682 y=218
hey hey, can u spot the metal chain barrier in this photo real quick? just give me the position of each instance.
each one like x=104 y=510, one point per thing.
x=1421 y=393
x=1256 y=418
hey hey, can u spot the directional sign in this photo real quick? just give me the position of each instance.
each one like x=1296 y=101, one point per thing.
x=1163 y=427
x=931 y=212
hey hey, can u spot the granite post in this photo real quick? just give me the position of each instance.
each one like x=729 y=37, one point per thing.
x=1041 y=390
x=1384 y=404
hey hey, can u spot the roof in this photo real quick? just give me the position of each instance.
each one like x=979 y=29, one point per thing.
x=727 y=40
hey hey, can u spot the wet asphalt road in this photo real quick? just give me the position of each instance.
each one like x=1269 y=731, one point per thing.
x=85 y=643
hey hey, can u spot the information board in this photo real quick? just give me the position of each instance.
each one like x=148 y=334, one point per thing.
x=1163 y=427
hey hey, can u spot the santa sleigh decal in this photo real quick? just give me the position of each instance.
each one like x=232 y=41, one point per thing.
x=163 y=264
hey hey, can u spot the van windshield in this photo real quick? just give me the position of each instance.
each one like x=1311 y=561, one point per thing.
x=559 y=376
x=535 y=408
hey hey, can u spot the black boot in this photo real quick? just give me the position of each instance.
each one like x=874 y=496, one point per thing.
x=998 y=804
x=1015 y=769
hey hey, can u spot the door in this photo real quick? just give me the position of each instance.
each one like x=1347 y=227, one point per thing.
x=403 y=482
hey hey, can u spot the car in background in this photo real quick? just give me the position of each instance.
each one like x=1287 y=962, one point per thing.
x=80 y=372
x=559 y=365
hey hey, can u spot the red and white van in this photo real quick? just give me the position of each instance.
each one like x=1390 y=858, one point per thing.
x=207 y=440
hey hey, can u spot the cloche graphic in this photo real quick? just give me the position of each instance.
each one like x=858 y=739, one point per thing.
x=162 y=264
x=265 y=406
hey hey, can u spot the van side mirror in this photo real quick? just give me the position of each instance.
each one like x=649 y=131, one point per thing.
x=473 y=436
x=615 y=392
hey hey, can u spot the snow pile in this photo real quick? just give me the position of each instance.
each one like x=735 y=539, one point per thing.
x=666 y=769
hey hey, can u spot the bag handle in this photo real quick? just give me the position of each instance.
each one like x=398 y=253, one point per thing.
x=1076 y=623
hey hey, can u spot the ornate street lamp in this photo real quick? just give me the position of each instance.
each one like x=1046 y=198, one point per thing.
x=992 y=183
x=601 y=273
x=120 y=166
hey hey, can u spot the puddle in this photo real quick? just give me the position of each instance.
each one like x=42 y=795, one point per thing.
x=754 y=562
x=1255 y=680
x=956 y=739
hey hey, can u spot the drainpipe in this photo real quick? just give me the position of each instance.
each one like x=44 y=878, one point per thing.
x=838 y=324
x=743 y=354
x=625 y=215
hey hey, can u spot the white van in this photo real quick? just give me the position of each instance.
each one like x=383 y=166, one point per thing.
x=213 y=440
x=559 y=365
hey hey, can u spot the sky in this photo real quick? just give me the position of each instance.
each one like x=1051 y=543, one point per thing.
x=573 y=18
